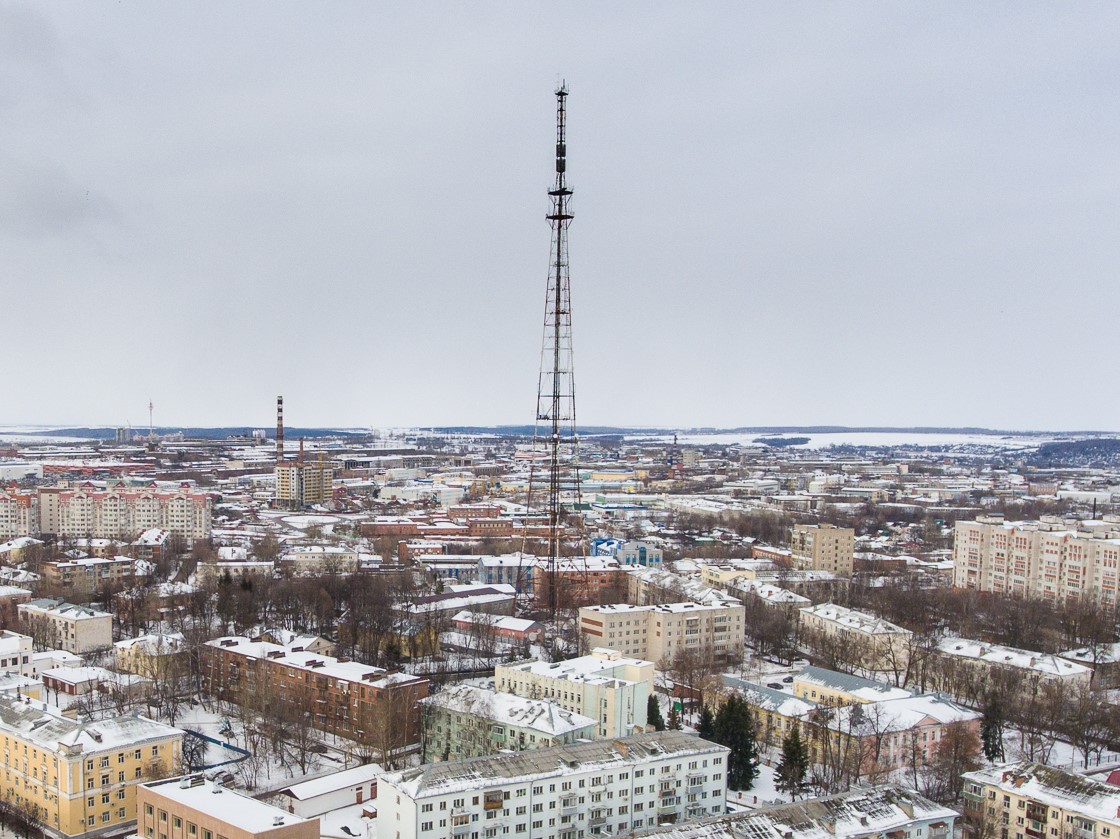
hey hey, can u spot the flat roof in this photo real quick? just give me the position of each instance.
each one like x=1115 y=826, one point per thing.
x=213 y=799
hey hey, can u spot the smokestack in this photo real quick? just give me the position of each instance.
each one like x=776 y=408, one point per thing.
x=301 y=450
x=279 y=430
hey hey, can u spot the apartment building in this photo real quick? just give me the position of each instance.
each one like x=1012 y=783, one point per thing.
x=604 y=685
x=647 y=586
x=824 y=547
x=605 y=787
x=52 y=622
x=152 y=656
x=878 y=737
x=90 y=573
x=19 y=513
x=119 y=512
x=1052 y=559
x=881 y=646
x=1033 y=801
x=79 y=779
x=660 y=633
x=301 y=484
x=468 y=721
x=830 y=687
x=968 y=669
x=886 y=811
x=15 y=653
x=190 y=807
x=345 y=698
x=581 y=581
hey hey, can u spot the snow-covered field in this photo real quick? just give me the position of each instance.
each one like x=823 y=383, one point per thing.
x=823 y=440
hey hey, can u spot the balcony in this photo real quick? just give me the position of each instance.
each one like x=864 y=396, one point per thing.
x=568 y=806
x=461 y=829
x=669 y=805
x=596 y=821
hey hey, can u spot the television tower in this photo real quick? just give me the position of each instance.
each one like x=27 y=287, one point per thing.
x=555 y=427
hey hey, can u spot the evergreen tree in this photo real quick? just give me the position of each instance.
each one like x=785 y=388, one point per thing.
x=706 y=728
x=734 y=728
x=794 y=765
x=674 y=723
x=653 y=713
x=991 y=727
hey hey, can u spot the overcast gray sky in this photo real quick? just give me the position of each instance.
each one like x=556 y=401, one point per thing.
x=786 y=213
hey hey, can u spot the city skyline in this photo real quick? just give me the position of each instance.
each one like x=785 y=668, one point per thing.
x=856 y=215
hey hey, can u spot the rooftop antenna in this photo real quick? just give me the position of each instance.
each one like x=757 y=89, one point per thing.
x=556 y=391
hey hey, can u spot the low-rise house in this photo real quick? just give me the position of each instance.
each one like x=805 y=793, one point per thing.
x=333 y=791
x=969 y=669
x=191 y=807
x=1102 y=659
x=470 y=721
x=78 y=681
x=607 y=787
x=15 y=653
x=508 y=628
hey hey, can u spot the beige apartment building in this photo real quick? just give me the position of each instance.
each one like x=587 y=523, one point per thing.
x=191 y=807
x=824 y=547
x=119 y=512
x=605 y=685
x=1034 y=801
x=302 y=484
x=79 y=779
x=75 y=629
x=1050 y=559
x=19 y=513
x=660 y=633
x=880 y=646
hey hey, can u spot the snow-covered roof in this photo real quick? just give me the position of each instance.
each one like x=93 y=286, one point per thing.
x=854 y=620
x=1011 y=657
x=876 y=811
x=240 y=811
x=1096 y=799
x=595 y=668
x=865 y=690
x=538 y=715
x=479 y=772
x=769 y=699
x=504 y=622
x=52 y=731
x=333 y=782
x=323 y=665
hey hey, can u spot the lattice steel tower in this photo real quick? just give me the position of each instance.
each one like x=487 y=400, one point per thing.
x=556 y=389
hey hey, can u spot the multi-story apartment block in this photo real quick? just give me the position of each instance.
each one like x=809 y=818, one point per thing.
x=607 y=787
x=345 y=698
x=1033 y=801
x=1052 y=559
x=19 y=513
x=152 y=656
x=191 y=807
x=830 y=687
x=301 y=484
x=119 y=512
x=824 y=547
x=880 y=811
x=468 y=721
x=90 y=573
x=79 y=779
x=660 y=633
x=75 y=629
x=646 y=586
x=878 y=645
x=603 y=685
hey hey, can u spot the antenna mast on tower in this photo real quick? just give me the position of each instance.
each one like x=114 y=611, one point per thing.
x=556 y=390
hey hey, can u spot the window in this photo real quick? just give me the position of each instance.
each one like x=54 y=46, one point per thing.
x=147 y=809
x=192 y=828
x=178 y=822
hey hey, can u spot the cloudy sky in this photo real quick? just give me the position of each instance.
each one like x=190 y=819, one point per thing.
x=786 y=213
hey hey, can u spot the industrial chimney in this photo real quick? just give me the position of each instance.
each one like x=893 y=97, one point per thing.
x=279 y=430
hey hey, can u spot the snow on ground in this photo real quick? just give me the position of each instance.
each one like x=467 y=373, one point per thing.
x=763 y=792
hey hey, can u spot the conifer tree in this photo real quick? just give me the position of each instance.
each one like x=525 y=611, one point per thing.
x=674 y=722
x=794 y=765
x=734 y=728
x=653 y=713
x=706 y=728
